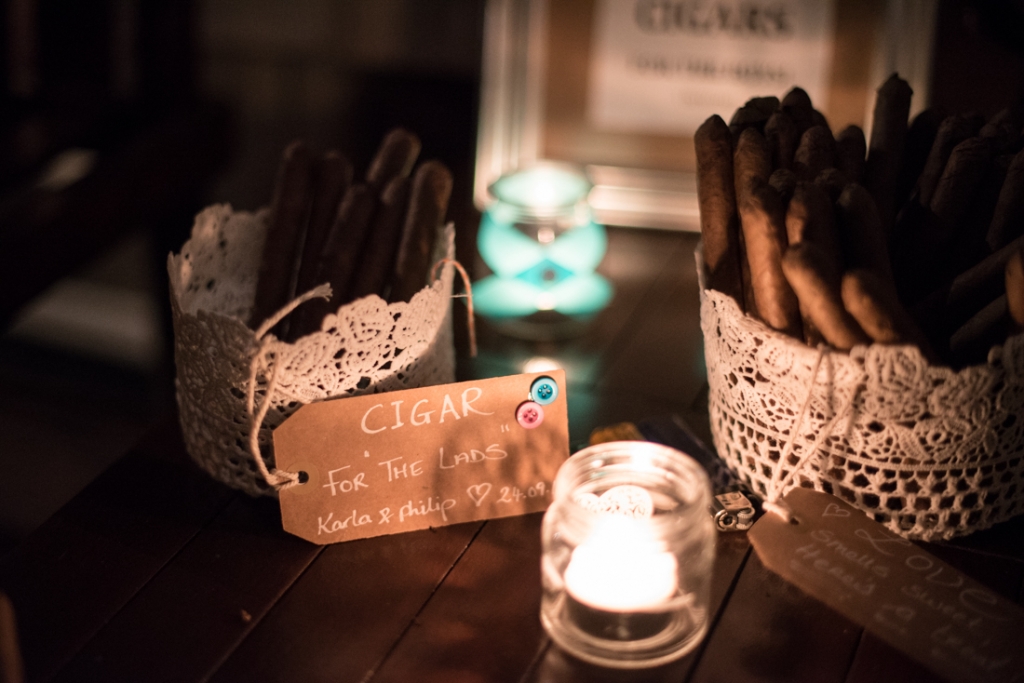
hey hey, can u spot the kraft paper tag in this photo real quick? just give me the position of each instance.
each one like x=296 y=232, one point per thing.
x=920 y=605
x=420 y=458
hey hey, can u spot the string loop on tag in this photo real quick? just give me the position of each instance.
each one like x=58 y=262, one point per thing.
x=471 y=322
x=277 y=479
x=778 y=484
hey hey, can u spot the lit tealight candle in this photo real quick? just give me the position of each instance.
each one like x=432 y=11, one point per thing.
x=618 y=571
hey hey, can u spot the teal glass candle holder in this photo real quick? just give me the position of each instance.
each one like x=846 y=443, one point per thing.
x=542 y=245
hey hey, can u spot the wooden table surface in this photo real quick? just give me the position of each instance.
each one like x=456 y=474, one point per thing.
x=157 y=573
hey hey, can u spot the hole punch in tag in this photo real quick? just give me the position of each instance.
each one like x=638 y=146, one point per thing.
x=917 y=603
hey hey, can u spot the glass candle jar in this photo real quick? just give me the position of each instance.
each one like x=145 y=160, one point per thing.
x=628 y=549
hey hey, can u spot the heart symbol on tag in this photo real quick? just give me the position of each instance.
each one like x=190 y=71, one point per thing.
x=833 y=510
x=478 y=492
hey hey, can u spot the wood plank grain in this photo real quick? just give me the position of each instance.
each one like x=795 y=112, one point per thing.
x=772 y=631
x=483 y=623
x=340 y=619
x=81 y=567
x=663 y=353
x=185 y=622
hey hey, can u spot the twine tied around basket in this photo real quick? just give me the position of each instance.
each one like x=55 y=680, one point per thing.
x=281 y=479
x=778 y=484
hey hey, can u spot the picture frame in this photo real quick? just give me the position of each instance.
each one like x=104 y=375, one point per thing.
x=538 y=101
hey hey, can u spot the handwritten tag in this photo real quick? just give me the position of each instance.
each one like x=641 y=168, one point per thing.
x=420 y=458
x=915 y=602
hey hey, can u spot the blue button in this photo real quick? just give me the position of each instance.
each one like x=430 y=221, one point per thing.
x=544 y=390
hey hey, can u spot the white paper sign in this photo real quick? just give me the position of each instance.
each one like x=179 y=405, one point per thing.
x=664 y=66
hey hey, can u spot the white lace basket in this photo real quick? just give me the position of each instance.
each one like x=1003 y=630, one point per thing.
x=369 y=346
x=926 y=451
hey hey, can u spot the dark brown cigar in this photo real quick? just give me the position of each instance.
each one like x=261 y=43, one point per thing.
x=287 y=222
x=762 y=216
x=797 y=103
x=781 y=134
x=874 y=306
x=885 y=151
x=851 y=153
x=817 y=286
x=754 y=113
x=810 y=218
x=952 y=131
x=333 y=176
x=964 y=171
x=338 y=260
x=394 y=159
x=1008 y=217
x=860 y=233
x=784 y=181
x=719 y=221
x=817 y=151
x=374 y=269
x=1015 y=289
x=428 y=204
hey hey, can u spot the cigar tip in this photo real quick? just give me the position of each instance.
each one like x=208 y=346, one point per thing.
x=894 y=85
x=797 y=98
x=402 y=136
x=295 y=149
x=713 y=125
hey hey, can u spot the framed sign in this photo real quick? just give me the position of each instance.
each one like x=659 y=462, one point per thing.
x=620 y=86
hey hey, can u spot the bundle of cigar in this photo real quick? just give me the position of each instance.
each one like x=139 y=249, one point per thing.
x=371 y=237
x=914 y=237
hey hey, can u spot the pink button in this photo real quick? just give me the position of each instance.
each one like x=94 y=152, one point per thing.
x=529 y=414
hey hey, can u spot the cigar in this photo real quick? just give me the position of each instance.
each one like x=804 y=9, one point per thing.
x=751 y=165
x=810 y=218
x=816 y=152
x=974 y=288
x=969 y=245
x=338 y=260
x=1002 y=131
x=394 y=159
x=751 y=162
x=817 y=286
x=797 y=103
x=964 y=172
x=754 y=114
x=762 y=217
x=952 y=131
x=784 y=181
x=920 y=138
x=719 y=221
x=1015 y=289
x=971 y=343
x=877 y=310
x=287 y=222
x=431 y=189
x=333 y=176
x=783 y=138
x=860 y=233
x=374 y=270
x=12 y=667
x=851 y=152
x=885 y=151
x=833 y=182
x=1008 y=216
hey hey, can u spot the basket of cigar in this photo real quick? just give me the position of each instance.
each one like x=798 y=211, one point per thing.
x=862 y=306
x=257 y=334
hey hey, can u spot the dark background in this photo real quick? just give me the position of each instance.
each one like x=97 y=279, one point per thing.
x=175 y=105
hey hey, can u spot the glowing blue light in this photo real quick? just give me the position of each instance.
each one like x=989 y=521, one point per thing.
x=541 y=243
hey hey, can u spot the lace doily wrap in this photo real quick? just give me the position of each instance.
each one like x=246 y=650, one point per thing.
x=369 y=346
x=926 y=451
